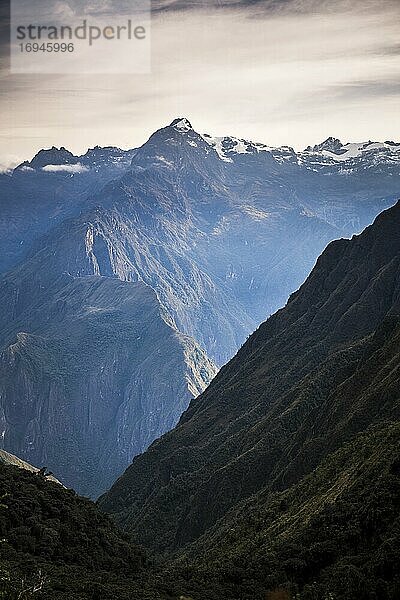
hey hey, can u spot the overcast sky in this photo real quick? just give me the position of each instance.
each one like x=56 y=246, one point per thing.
x=277 y=71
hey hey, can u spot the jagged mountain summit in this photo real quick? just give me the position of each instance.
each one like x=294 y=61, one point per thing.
x=362 y=155
x=49 y=159
x=319 y=371
x=331 y=144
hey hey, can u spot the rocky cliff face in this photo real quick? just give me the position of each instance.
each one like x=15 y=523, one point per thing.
x=317 y=372
x=91 y=376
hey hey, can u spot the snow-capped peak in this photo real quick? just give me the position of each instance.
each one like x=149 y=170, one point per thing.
x=181 y=124
x=352 y=150
x=52 y=156
x=229 y=145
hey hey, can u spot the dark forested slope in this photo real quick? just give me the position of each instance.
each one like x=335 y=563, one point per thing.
x=61 y=545
x=319 y=371
x=335 y=534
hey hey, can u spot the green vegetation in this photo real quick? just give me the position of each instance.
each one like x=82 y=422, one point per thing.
x=55 y=544
x=335 y=535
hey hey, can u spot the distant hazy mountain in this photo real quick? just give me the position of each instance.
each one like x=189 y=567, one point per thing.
x=319 y=371
x=54 y=185
x=90 y=374
x=344 y=184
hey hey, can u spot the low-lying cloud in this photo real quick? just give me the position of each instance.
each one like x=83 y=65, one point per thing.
x=77 y=168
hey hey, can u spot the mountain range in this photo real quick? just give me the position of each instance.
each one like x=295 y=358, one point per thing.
x=223 y=229
x=179 y=248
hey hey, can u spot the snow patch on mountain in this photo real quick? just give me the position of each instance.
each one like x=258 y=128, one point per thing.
x=255 y=213
x=227 y=145
x=329 y=152
x=163 y=160
x=216 y=143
